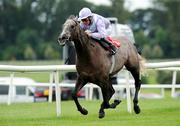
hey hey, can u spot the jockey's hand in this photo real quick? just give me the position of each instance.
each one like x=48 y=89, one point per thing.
x=88 y=33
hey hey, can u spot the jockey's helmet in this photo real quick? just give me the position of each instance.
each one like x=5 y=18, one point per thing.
x=84 y=13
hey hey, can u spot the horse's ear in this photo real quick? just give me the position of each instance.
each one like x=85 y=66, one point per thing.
x=71 y=17
x=76 y=19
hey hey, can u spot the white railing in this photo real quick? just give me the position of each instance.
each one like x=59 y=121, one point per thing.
x=54 y=75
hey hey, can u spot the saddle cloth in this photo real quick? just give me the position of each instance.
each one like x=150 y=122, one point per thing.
x=115 y=42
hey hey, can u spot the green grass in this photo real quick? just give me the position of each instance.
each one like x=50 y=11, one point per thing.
x=163 y=112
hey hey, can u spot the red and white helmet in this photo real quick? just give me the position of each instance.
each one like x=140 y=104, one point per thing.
x=84 y=13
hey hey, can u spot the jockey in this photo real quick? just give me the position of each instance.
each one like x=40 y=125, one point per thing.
x=96 y=27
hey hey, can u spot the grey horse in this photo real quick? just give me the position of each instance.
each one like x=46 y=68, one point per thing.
x=93 y=64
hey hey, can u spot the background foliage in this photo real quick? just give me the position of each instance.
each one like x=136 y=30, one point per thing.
x=29 y=28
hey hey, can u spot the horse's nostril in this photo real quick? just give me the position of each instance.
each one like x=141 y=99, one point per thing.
x=63 y=37
x=59 y=39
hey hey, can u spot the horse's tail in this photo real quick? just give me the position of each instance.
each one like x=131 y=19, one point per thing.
x=142 y=62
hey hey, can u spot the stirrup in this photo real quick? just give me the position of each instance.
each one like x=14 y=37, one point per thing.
x=113 y=52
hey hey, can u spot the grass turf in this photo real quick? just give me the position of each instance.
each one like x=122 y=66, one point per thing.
x=161 y=112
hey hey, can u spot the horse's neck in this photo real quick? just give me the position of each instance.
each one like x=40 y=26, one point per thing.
x=82 y=50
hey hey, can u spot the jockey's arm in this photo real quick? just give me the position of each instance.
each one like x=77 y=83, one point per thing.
x=101 y=30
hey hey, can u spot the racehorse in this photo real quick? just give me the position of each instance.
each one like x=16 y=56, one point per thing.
x=93 y=65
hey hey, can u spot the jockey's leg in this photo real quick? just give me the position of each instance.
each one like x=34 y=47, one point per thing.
x=112 y=47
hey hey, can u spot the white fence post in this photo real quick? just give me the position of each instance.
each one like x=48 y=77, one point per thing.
x=58 y=94
x=128 y=95
x=10 y=93
x=86 y=93
x=173 y=83
x=91 y=92
x=51 y=78
x=100 y=94
x=162 y=92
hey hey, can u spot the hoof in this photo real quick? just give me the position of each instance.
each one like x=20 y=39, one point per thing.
x=101 y=115
x=117 y=102
x=84 y=111
x=137 y=109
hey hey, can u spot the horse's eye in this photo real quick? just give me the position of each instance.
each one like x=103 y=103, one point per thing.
x=72 y=26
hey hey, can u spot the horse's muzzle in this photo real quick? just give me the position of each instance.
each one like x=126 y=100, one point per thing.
x=62 y=40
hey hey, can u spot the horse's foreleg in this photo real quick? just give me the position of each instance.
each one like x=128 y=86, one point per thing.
x=79 y=84
x=107 y=92
x=104 y=104
x=116 y=102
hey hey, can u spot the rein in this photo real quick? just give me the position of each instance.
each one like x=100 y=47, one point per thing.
x=68 y=59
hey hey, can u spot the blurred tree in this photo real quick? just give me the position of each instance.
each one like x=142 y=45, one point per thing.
x=141 y=39
x=157 y=52
x=147 y=51
x=49 y=53
x=8 y=24
x=45 y=11
x=14 y=17
x=118 y=10
x=10 y=53
x=161 y=26
x=28 y=37
x=38 y=22
x=171 y=12
x=29 y=53
x=106 y=10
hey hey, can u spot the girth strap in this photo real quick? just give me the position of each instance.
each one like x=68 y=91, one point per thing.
x=113 y=64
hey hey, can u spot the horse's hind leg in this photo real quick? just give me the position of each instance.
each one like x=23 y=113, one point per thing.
x=105 y=104
x=136 y=74
x=79 y=84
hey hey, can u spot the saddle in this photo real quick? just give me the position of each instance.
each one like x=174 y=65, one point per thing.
x=108 y=44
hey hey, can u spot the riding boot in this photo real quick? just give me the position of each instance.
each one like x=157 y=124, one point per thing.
x=112 y=47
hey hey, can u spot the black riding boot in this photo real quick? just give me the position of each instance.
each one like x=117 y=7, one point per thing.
x=112 y=47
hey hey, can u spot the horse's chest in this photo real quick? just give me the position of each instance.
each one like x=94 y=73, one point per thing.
x=87 y=72
x=90 y=74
